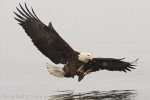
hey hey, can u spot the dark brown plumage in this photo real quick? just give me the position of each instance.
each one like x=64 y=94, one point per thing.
x=45 y=38
x=110 y=64
x=49 y=42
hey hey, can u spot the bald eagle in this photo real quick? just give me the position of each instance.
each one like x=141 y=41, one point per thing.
x=50 y=43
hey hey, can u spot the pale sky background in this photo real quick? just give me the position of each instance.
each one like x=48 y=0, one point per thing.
x=106 y=28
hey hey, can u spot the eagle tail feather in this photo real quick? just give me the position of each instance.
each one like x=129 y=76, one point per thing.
x=55 y=71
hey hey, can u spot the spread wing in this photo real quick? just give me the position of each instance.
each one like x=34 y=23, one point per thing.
x=45 y=38
x=110 y=64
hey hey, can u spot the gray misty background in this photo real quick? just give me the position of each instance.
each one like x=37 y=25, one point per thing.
x=106 y=28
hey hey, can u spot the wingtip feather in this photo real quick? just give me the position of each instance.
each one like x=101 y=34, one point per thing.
x=136 y=61
x=122 y=58
x=34 y=14
x=128 y=69
x=125 y=71
x=18 y=19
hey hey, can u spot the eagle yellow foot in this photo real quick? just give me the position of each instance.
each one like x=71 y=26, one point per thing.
x=55 y=71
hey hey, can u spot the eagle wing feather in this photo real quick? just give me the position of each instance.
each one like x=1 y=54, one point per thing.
x=45 y=38
x=109 y=64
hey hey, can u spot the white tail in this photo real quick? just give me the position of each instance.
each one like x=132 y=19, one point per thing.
x=54 y=70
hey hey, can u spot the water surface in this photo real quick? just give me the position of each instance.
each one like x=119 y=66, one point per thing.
x=96 y=95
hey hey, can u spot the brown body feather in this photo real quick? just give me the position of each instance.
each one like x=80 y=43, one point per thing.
x=49 y=42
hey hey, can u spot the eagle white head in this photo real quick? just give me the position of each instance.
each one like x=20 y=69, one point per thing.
x=85 y=57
